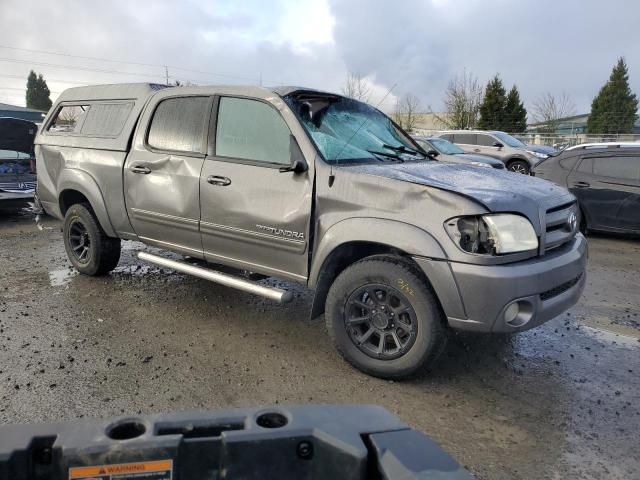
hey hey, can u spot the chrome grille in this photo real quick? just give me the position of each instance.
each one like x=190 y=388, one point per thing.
x=558 y=229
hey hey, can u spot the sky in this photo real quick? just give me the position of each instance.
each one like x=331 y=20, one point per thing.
x=409 y=46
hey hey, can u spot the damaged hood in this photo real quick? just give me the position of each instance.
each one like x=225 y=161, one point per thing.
x=496 y=190
x=17 y=135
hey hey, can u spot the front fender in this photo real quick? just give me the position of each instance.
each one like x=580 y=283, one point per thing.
x=403 y=236
x=83 y=182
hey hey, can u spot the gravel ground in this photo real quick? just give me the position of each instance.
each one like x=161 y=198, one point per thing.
x=560 y=401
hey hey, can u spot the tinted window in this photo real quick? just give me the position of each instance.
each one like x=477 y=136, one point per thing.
x=586 y=165
x=624 y=168
x=106 y=119
x=178 y=124
x=251 y=130
x=485 y=140
x=465 y=138
x=568 y=163
x=69 y=119
x=447 y=136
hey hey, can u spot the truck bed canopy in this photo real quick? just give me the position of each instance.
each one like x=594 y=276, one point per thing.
x=104 y=116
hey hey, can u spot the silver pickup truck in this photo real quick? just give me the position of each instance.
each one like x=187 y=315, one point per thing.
x=315 y=188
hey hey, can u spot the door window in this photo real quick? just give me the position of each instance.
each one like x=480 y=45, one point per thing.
x=485 y=140
x=178 y=124
x=251 y=130
x=586 y=165
x=624 y=168
x=465 y=138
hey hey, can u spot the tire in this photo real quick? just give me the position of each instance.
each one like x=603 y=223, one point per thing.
x=519 y=166
x=89 y=249
x=420 y=336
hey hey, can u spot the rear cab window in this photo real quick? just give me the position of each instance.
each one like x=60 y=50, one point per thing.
x=179 y=124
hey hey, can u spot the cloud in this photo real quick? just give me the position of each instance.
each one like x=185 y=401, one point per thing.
x=416 y=45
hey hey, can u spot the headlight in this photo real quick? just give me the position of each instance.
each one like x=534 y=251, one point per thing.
x=480 y=164
x=493 y=234
x=538 y=154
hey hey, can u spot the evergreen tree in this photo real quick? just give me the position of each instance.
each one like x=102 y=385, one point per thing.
x=493 y=104
x=515 y=115
x=38 y=94
x=614 y=109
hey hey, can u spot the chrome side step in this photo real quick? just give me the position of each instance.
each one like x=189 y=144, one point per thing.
x=277 y=294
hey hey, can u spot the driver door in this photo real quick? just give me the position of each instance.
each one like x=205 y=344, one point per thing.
x=253 y=216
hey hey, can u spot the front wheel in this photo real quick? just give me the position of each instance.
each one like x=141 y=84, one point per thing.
x=89 y=249
x=384 y=319
x=519 y=166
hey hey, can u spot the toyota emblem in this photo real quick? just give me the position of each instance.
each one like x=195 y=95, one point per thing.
x=572 y=222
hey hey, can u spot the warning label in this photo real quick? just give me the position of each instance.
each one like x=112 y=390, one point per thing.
x=155 y=470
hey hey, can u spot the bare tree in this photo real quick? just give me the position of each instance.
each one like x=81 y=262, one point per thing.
x=357 y=87
x=405 y=113
x=549 y=109
x=462 y=102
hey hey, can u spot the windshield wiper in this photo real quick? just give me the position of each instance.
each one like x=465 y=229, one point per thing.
x=395 y=157
x=402 y=149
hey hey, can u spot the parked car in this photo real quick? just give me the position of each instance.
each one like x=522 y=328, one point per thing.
x=17 y=162
x=605 y=177
x=542 y=151
x=449 y=152
x=315 y=188
x=511 y=151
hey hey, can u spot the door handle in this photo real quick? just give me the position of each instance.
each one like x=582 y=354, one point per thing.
x=218 y=180
x=140 y=169
x=581 y=184
x=476 y=149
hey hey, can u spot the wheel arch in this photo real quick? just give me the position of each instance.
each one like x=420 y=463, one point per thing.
x=76 y=186
x=351 y=240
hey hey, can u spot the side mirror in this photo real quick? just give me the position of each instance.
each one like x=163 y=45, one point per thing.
x=433 y=153
x=298 y=163
x=498 y=144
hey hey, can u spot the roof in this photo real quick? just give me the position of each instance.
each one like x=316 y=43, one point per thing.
x=15 y=108
x=110 y=91
x=471 y=131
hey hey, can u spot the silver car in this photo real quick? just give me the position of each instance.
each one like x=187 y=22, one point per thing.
x=315 y=188
x=516 y=156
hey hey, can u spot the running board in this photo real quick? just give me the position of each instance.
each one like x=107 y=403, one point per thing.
x=272 y=293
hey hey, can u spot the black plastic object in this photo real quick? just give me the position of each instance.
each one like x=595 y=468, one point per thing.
x=305 y=442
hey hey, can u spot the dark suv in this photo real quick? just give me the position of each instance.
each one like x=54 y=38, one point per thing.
x=605 y=177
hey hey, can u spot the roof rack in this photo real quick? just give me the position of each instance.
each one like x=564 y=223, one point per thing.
x=586 y=146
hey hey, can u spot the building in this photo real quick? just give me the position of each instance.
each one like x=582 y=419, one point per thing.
x=23 y=113
x=574 y=125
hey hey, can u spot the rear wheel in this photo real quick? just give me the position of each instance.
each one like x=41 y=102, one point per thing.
x=384 y=319
x=518 y=166
x=89 y=249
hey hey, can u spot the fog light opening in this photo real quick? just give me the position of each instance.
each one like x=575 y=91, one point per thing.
x=518 y=313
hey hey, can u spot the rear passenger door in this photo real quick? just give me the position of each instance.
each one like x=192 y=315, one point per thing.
x=253 y=216
x=162 y=174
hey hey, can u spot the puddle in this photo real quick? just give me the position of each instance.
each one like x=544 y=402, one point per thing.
x=59 y=278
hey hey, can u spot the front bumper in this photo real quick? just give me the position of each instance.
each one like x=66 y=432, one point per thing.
x=12 y=200
x=478 y=297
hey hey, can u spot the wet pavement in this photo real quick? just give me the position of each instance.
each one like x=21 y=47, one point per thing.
x=560 y=401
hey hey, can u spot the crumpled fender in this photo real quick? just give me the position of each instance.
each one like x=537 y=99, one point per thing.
x=83 y=182
x=392 y=233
